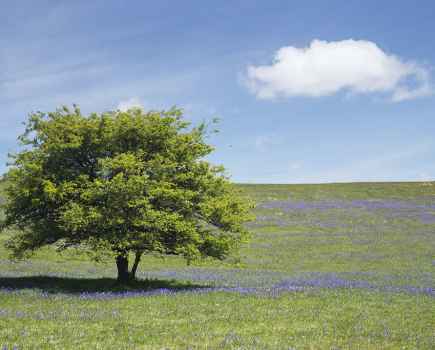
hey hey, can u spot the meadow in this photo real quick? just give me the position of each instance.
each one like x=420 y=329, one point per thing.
x=333 y=266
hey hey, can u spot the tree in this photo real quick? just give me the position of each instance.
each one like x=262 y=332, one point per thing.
x=130 y=183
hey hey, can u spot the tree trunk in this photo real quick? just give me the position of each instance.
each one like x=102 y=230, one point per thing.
x=122 y=265
x=135 y=265
x=125 y=276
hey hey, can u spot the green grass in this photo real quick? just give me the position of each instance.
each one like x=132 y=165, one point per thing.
x=42 y=306
x=344 y=320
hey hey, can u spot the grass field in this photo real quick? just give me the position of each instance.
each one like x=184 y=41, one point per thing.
x=339 y=266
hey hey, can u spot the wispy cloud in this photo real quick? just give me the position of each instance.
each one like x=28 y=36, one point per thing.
x=133 y=102
x=382 y=167
x=325 y=68
x=295 y=166
x=263 y=143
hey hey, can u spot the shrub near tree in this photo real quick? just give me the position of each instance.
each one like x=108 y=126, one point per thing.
x=130 y=183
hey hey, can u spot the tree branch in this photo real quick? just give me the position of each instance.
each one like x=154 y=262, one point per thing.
x=137 y=257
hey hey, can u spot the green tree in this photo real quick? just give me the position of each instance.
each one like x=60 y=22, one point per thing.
x=130 y=183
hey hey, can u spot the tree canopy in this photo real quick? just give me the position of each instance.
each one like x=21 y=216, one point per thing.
x=129 y=182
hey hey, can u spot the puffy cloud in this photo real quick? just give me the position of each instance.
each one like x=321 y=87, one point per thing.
x=325 y=68
x=133 y=102
x=265 y=142
x=295 y=166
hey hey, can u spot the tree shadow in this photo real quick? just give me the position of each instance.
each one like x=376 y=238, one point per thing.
x=71 y=285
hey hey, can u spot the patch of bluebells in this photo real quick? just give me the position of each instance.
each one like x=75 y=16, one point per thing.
x=221 y=277
x=291 y=285
x=427 y=218
x=340 y=204
x=333 y=281
x=261 y=283
x=128 y=294
x=14 y=347
x=328 y=214
x=425 y=212
x=167 y=292
x=268 y=220
x=85 y=315
x=273 y=282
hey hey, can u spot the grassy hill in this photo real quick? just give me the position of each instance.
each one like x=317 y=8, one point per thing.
x=339 y=266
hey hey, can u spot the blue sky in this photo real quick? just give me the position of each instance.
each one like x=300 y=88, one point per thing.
x=320 y=91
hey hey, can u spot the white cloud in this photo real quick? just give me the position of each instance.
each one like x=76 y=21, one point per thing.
x=265 y=142
x=295 y=166
x=392 y=165
x=133 y=102
x=424 y=176
x=325 y=68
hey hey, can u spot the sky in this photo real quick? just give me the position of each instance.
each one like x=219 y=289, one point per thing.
x=306 y=92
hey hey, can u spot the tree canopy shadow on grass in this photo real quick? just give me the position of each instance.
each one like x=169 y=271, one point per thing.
x=50 y=284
